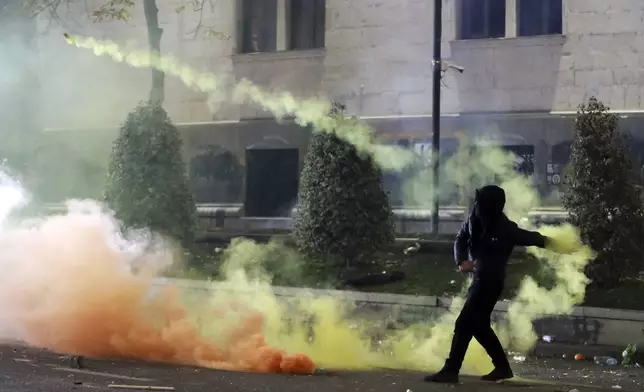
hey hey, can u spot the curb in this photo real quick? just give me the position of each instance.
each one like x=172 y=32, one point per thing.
x=608 y=327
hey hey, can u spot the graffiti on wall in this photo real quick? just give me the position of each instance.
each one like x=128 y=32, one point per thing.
x=554 y=173
x=524 y=163
x=523 y=158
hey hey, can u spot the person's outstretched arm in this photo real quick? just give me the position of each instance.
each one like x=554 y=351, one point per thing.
x=461 y=253
x=523 y=237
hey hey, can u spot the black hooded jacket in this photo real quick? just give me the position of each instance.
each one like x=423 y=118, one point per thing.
x=488 y=237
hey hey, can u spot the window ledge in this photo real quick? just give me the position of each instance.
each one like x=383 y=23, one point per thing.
x=281 y=55
x=535 y=40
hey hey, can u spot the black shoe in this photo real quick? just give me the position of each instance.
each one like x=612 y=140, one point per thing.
x=444 y=377
x=498 y=375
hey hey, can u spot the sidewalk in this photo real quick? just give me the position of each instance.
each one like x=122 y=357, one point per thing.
x=32 y=370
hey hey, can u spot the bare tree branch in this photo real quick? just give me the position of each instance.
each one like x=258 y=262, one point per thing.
x=120 y=10
x=113 y=10
x=198 y=7
x=52 y=9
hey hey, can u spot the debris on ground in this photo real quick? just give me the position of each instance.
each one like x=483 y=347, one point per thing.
x=628 y=355
x=76 y=361
x=325 y=372
x=412 y=249
x=609 y=361
x=547 y=339
x=579 y=357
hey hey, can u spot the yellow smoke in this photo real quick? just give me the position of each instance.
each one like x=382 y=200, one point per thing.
x=223 y=329
x=315 y=112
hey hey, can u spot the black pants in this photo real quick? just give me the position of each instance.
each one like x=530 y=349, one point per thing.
x=474 y=322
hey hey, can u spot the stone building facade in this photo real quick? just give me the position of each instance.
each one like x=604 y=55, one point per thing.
x=527 y=65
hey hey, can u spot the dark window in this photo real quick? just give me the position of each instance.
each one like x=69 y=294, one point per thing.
x=482 y=19
x=539 y=17
x=272 y=181
x=259 y=25
x=308 y=20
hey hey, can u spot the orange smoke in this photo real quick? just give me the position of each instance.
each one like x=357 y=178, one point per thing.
x=66 y=287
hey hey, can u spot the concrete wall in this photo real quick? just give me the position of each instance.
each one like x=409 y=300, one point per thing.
x=388 y=49
x=377 y=59
x=595 y=326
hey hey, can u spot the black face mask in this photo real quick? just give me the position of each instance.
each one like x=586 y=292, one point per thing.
x=489 y=203
x=479 y=211
x=485 y=216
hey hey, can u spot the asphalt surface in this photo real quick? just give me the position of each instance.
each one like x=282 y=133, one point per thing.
x=33 y=370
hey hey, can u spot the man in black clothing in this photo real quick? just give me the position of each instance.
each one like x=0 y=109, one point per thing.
x=487 y=238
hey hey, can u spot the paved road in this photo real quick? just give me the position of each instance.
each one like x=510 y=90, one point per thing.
x=31 y=370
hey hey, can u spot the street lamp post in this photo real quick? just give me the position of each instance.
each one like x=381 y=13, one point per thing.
x=436 y=110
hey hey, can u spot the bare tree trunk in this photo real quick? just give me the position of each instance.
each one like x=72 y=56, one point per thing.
x=157 y=90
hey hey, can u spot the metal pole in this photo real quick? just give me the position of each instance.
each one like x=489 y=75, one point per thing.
x=436 y=109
